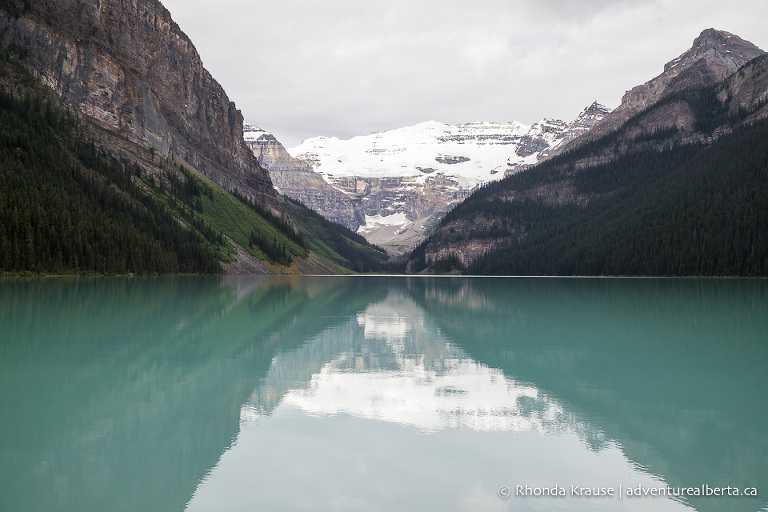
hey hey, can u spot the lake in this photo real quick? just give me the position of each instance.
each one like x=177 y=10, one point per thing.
x=383 y=393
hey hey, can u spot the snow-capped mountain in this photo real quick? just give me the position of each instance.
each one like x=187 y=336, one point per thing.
x=296 y=179
x=471 y=153
x=270 y=153
x=394 y=185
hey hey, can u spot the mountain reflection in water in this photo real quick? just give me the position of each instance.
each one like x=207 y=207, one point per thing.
x=398 y=368
x=373 y=393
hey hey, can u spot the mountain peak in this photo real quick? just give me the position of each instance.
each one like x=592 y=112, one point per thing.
x=714 y=55
x=711 y=35
x=594 y=109
x=719 y=49
x=251 y=132
x=597 y=106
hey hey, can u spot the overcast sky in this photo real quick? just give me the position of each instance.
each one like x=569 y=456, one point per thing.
x=302 y=68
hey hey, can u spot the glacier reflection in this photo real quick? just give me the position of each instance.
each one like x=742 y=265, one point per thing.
x=377 y=393
x=382 y=411
x=430 y=394
x=392 y=364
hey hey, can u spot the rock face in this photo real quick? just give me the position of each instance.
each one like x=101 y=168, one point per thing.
x=297 y=180
x=269 y=152
x=127 y=66
x=747 y=90
x=655 y=120
x=549 y=136
x=714 y=56
x=395 y=185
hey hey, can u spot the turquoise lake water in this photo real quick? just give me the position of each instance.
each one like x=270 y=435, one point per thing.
x=383 y=393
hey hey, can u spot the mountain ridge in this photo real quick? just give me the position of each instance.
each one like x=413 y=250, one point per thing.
x=296 y=179
x=152 y=135
x=392 y=186
x=714 y=55
x=624 y=190
x=130 y=69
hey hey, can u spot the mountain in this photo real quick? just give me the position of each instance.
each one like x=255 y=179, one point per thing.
x=66 y=207
x=393 y=186
x=128 y=67
x=296 y=179
x=121 y=154
x=548 y=137
x=323 y=226
x=714 y=56
x=677 y=189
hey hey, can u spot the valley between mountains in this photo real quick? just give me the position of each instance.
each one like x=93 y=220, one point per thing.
x=121 y=154
x=661 y=185
x=392 y=187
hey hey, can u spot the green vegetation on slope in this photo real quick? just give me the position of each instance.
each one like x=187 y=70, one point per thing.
x=334 y=242
x=65 y=207
x=197 y=199
x=687 y=211
x=239 y=220
x=656 y=206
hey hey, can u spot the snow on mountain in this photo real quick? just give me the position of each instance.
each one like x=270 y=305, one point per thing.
x=392 y=186
x=252 y=133
x=296 y=179
x=268 y=150
x=470 y=154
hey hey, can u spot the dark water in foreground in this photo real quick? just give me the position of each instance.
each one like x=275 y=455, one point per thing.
x=364 y=393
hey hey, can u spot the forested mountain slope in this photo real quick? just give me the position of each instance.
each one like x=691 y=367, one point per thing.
x=120 y=154
x=679 y=189
x=129 y=68
x=66 y=207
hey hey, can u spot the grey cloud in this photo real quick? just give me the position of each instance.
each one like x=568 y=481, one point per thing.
x=302 y=68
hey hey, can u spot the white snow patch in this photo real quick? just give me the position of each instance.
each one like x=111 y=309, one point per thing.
x=252 y=133
x=398 y=220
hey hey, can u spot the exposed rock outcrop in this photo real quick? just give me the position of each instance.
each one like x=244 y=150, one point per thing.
x=397 y=184
x=747 y=90
x=714 y=56
x=127 y=66
x=652 y=118
x=297 y=180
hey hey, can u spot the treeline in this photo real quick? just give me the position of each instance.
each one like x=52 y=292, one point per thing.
x=712 y=111
x=687 y=209
x=282 y=225
x=65 y=207
x=338 y=243
x=184 y=199
x=275 y=250
x=189 y=190
x=691 y=210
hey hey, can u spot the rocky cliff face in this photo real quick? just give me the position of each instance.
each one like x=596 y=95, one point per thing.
x=270 y=152
x=747 y=90
x=549 y=137
x=296 y=179
x=391 y=211
x=655 y=120
x=714 y=56
x=393 y=186
x=127 y=66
